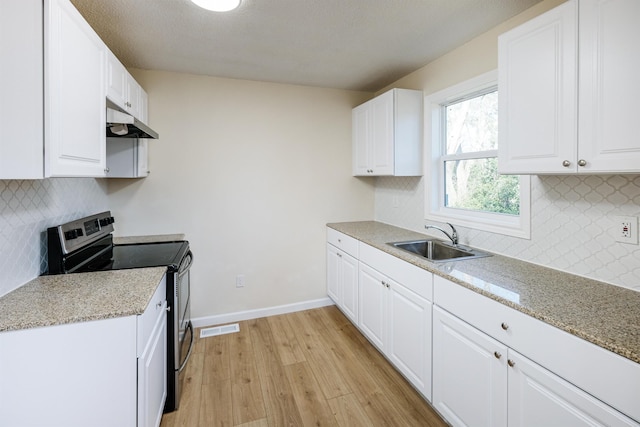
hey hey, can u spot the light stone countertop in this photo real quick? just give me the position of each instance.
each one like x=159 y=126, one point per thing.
x=603 y=314
x=155 y=238
x=79 y=297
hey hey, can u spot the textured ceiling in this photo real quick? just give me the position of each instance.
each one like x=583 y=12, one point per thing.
x=344 y=44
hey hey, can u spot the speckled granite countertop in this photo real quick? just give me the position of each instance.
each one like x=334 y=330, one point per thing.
x=604 y=314
x=126 y=240
x=79 y=297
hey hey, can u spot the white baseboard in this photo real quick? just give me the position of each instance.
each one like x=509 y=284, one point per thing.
x=220 y=319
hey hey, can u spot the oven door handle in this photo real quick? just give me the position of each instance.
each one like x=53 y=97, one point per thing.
x=185 y=266
x=186 y=359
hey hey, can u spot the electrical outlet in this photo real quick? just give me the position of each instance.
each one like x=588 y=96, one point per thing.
x=240 y=281
x=626 y=229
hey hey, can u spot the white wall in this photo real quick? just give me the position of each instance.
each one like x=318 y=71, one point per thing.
x=571 y=218
x=251 y=172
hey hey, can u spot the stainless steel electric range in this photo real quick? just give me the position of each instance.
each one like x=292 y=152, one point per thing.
x=86 y=245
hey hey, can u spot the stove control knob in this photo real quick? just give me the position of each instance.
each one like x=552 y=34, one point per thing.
x=73 y=234
x=106 y=221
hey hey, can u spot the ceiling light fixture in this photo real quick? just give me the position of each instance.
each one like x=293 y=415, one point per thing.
x=218 y=5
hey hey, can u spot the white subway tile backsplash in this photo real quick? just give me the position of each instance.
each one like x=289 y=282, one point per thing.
x=27 y=208
x=571 y=223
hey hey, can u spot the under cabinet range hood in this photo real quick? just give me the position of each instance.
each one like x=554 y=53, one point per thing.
x=123 y=125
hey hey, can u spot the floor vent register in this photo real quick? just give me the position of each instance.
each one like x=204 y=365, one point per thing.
x=219 y=330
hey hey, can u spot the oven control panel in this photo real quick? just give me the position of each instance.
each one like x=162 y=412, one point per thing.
x=76 y=234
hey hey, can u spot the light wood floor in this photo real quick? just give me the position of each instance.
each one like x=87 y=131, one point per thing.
x=310 y=368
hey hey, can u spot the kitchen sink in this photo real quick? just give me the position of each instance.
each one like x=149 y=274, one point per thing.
x=438 y=251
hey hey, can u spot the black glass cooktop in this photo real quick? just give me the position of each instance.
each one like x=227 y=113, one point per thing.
x=140 y=255
x=148 y=255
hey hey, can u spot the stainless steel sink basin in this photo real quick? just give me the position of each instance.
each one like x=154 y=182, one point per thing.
x=438 y=251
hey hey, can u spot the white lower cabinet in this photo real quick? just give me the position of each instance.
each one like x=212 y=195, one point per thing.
x=101 y=373
x=484 y=380
x=342 y=273
x=537 y=397
x=408 y=343
x=394 y=318
x=373 y=314
x=479 y=362
x=342 y=276
x=469 y=374
x=152 y=366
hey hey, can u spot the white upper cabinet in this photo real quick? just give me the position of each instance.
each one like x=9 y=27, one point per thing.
x=123 y=90
x=387 y=135
x=53 y=97
x=567 y=89
x=116 y=81
x=21 y=90
x=74 y=94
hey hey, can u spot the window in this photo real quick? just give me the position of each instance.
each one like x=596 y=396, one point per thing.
x=463 y=185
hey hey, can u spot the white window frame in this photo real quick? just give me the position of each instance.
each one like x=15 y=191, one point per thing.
x=435 y=127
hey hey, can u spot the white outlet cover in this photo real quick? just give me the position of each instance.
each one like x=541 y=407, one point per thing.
x=618 y=235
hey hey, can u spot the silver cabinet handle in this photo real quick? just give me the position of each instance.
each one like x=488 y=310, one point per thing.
x=339 y=255
x=504 y=326
x=511 y=363
x=566 y=163
x=497 y=354
x=582 y=162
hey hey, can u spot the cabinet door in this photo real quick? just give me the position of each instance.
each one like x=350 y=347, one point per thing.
x=537 y=65
x=333 y=274
x=143 y=107
x=342 y=281
x=133 y=96
x=409 y=339
x=116 y=80
x=74 y=94
x=372 y=314
x=609 y=86
x=539 y=398
x=360 y=118
x=349 y=283
x=382 y=134
x=152 y=376
x=143 y=158
x=469 y=374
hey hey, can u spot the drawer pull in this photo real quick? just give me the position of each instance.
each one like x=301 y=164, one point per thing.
x=511 y=363
x=504 y=326
x=497 y=354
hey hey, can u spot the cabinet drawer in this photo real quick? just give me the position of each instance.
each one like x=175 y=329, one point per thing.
x=608 y=376
x=147 y=320
x=414 y=278
x=343 y=242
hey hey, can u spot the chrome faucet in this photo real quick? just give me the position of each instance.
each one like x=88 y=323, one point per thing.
x=453 y=236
